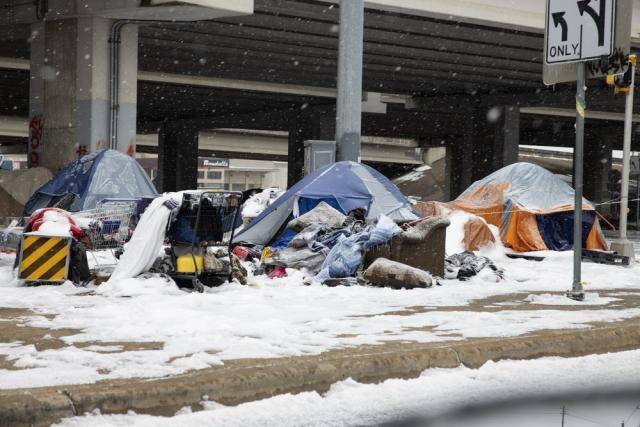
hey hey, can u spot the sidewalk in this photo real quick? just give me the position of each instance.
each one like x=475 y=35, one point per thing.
x=146 y=346
x=242 y=380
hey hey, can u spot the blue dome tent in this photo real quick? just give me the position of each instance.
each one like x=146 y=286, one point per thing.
x=343 y=185
x=107 y=174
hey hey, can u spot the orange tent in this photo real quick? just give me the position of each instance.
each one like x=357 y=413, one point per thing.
x=532 y=208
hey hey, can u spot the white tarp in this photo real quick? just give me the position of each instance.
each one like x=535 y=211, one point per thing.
x=148 y=237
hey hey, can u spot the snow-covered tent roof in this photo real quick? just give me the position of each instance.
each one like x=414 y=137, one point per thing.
x=107 y=174
x=528 y=186
x=532 y=207
x=343 y=185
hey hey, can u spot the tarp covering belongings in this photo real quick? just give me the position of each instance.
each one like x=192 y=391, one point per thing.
x=259 y=202
x=346 y=255
x=464 y=265
x=532 y=208
x=107 y=174
x=146 y=243
x=345 y=186
x=474 y=232
x=17 y=186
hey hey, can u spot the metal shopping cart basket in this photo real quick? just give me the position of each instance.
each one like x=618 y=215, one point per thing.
x=108 y=225
x=205 y=224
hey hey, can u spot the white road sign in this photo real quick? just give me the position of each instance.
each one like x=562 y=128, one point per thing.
x=579 y=30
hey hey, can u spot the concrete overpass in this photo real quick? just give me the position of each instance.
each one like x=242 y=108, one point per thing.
x=235 y=143
x=464 y=74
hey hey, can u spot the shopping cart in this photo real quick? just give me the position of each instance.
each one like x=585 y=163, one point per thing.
x=204 y=225
x=11 y=233
x=107 y=227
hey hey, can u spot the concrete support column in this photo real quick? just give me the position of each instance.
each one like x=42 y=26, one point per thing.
x=496 y=133
x=127 y=108
x=177 y=158
x=70 y=89
x=490 y=141
x=482 y=134
x=458 y=166
x=36 y=96
x=349 y=97
x=507 y=136
x=597 y=169
x=318 y=125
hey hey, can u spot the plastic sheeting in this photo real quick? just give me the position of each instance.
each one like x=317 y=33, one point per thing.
x=477 y=233
x=465 y=265
x=146 y=243
x=523 y=200
x=343 y=185
x=107 y=174
x=346 y=256
x=556 y=229
x=323 y=214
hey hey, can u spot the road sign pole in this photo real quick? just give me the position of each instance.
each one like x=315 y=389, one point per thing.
x=577 y=292
x=622 y=245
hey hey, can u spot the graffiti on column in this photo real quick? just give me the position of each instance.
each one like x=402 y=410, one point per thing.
x=36 y=131
x=81 y=150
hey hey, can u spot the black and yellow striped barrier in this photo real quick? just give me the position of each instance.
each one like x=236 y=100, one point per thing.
x=44 y=258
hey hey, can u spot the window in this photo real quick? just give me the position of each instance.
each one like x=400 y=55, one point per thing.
x=214 y=175
x=200 y=174
x=237 y=187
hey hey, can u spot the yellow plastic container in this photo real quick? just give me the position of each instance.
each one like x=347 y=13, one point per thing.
x=184 y=263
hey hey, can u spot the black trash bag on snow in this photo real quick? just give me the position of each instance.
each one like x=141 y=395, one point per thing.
x=466 y=264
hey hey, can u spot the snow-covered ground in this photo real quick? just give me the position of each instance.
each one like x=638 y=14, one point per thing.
x=435 y=392
x=283 y=317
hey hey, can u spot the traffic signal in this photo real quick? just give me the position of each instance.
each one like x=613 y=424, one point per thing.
x=622 y=82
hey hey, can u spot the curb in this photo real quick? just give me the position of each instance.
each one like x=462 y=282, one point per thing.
x=247 y=380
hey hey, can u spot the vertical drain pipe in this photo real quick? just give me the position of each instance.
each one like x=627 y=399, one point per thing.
x=115 y=40
x=114 y=80
x=42 y=7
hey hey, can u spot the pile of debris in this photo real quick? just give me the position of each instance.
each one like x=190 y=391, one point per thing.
x=346 y=224
x=258 y=202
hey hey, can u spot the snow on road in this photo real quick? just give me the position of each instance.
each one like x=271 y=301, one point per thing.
x=283 y=317
x=435 y=392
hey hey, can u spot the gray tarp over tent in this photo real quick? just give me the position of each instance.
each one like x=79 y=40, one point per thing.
x=107 y=174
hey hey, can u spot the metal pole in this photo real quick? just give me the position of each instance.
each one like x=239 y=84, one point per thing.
x=622 y=245
x=349 y=98
x=576 y=292
x=637 y=202
x=626 y=156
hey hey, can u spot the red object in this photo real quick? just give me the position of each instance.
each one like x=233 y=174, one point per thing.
x=277 y=273
x=241 y=252
x=37 y=219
